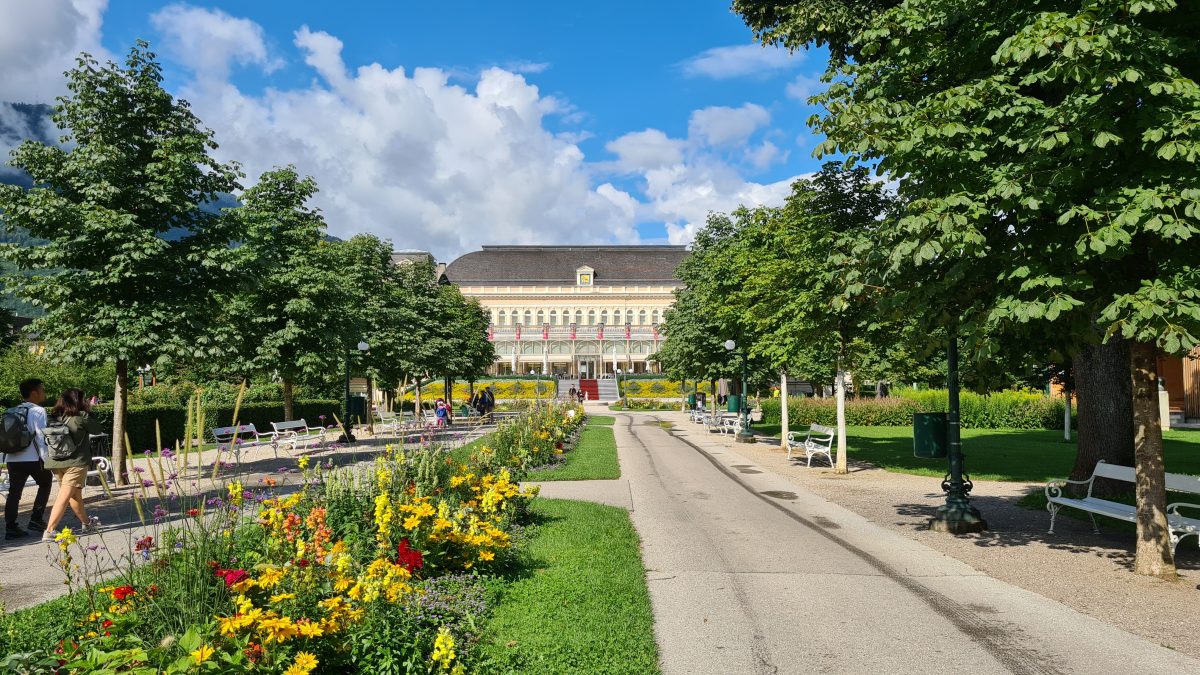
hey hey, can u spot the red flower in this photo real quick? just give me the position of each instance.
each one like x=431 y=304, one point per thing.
x=144 y=544
x=303 y=562
x=409 y=558
x=231 y=577
x=122 y=592
x=193 y=512
x=254 y=652
x=107 y=623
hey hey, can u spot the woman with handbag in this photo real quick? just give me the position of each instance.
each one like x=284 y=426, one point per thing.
x=69 y=456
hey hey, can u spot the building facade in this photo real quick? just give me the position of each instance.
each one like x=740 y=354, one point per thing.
x=573 y=311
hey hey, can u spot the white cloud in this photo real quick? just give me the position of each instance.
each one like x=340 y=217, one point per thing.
x=40 y=39
x=804 y=86
x=764 y=155
x=719 y=125
x=208 y=40
x=649 y=149
x=417 y=159
x=722 y=63
x=526 y=67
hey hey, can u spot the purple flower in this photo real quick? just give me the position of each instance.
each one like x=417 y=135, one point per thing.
x=147 y=451
x=173 y=476
x=93 y=547
x=138 y=469
x=215 y=502
x=159 y=513
x=167 y=453
x=147 y=483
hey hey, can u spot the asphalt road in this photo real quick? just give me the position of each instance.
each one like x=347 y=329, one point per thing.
x=750 y=574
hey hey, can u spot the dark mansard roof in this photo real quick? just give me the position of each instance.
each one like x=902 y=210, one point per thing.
x=612 y=265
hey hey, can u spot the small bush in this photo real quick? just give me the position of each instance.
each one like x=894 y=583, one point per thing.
x=998 y=410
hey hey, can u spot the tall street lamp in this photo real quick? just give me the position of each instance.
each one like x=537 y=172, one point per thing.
x=957 y=515
x=743 y=434
x=621 y=390
x=347 y=433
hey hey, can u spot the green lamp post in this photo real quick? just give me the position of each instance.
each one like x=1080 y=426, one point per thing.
x=957 y=515
x=347 y=427
x=743 y=434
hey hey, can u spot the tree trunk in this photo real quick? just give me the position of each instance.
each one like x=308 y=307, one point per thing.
x=1105 y=411
x=1155 y=556
x=289 y=401
x=842 y=463
x=417 y=415
x=371 y=404
x=120 y=405
x=783 y=409
x=1066 y=415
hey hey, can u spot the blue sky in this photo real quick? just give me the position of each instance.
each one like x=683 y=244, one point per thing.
x=449 y=125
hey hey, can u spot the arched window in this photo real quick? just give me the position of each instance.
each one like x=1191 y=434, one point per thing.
x=629 y=316
x=541 y=317
x=642 y=317
x=604 y=317
x=657 y=318
x=579 y=317
x=554 y=317
x=528 y=318
x=591 y=317
x=503 y=319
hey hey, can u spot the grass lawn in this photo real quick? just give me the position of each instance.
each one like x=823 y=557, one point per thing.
x=602 y=420
x=581 y=605
x=593 y=458
x=999 y=454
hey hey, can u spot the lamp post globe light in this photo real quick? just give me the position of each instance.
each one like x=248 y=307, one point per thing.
x=620 y=391
x=347 y=433
x=743 y=434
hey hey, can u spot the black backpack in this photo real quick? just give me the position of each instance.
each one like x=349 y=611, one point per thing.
x=14 y=430
x=59 y=444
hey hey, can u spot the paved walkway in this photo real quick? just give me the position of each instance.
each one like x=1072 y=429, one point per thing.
x=749 y=573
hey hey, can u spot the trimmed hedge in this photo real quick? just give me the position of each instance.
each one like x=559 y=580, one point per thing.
x=998 y=410
x=172 y=419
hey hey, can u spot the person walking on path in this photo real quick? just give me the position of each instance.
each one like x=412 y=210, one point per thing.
x=27 y=462
x=69 y=455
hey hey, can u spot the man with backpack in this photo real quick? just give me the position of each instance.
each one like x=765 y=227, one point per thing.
x=24 y=450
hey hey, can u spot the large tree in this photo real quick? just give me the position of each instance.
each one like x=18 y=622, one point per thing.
x=131 y=258
x=1046 y=154
x=809 y=289
x=287 y=310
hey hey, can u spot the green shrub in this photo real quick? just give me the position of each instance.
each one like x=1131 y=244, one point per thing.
x=998 y=410
x=173 y=418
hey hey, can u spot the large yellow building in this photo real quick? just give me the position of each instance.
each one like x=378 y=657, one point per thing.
x=577 y=311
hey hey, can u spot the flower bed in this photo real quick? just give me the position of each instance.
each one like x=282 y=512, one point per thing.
x=378 y=570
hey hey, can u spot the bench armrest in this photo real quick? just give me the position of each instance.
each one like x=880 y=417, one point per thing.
x=1174 y=508
x=1054 y=487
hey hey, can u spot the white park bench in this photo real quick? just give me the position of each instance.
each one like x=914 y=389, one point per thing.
x=730 y=425
x=817 y=441
x=298 y=432
x=1181 y=526
x=390 y=423
x=245 y=436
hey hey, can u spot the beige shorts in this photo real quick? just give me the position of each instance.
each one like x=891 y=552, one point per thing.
x=72 y=476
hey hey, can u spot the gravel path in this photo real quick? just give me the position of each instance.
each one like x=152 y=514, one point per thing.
x=1087 y=572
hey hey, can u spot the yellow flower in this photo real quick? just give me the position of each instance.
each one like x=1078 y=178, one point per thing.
x=303 y=665
x=65 y=538
x=302 y=463
x=310 y=630
x=486 y=555
x=280 y=597
x=443 y=650
x=235 y=493
x=202 y=654
x=412 y=522
x=270 y=577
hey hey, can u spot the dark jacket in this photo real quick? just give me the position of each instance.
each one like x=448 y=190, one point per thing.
x=80 y=427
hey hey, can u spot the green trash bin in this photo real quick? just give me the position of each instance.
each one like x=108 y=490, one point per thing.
x=734 y=403
x=692 y=401
x=929 y=435
x=358 y=409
